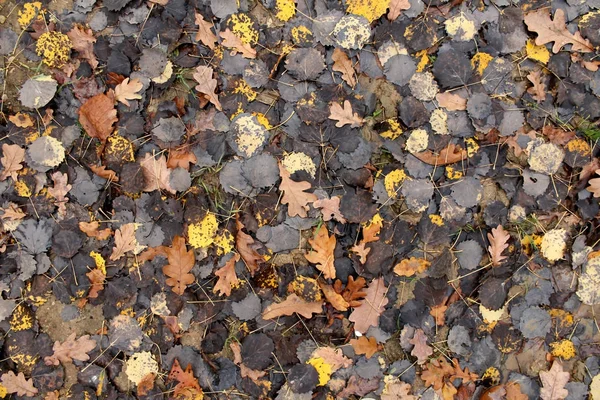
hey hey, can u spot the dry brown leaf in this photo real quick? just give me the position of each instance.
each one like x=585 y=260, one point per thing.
x=438 y=313
x=411 y=266
x=364 y=345
x=553 y=382
x=513 y=391
x=451 y=102
x=330 y=208
x=188 y=386
x=12 y=213
x=96 y=277
x=105 y=173
x=124 y=241
x=334 y=298
x=12 y=157
x=127 y=90
x=83 y=41
x=538 y=91
x=421 y=350
x=207 y=85
x=555 y=31
x=205 y=34
x=594 y=185
x=91 y=230
x=293 y=304
x=97 y=116
x=156 y=173
x=558 y=136
x=294 y=194
x=344 y=115
x=371 y=307
x=448 y=155
x=498 y=243
x=231 y=41
x=332 y=356
x=236 y=349
x=397 y=390
x=181 y=158
x=323 y=246
x=369 y=234
x=353 y=292
x=343 y=64
x=71 y=349
x=395 y=7
x=146 y=384
x=180 y=264
x=59 y=191
x=21 y=120
x=227 y=277
x=52 y=395
x=513 y=141
x=246 y=247
x=253 y=374
x=18 y=384
x=150 y=253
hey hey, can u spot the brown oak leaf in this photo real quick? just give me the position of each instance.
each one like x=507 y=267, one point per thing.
x=538 y=91
x=71 y=349
x=12 y=157
x=344 y=115
x=104 y=172
x=330 y=208
x=498 y=243
x=181 y=158
x=146 y=384
x=513 y=391
x=294 y=194
x=124 y=241
x=411 y=266
x=395 y=7
x=451 y=102
x=127 y=90
x=205 y=34
x=97 y=116
x=188 y=386
x=364 y=345
x=12 y=213
x=227 y=277
x=369 y=234
x=83 y=41
x=556 y=31
x=156 y=173
x=91 y=230
x=244 y=244
x=293 y=304
x=397 y=390
x=231 y=41
x=353 y=292
x=343 y=64
x=421 y=350
x=181 y=262
x=558 y=136
x=60 y=190
x=96 y=277
x=448 y=155
x=334 y=298
x=207 y=85
x=371 y=307
x=594 y=185
x=18 y=384
x=553 y=382
x=323 y=246
x=438 y=312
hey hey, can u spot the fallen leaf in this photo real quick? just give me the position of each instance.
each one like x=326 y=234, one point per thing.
x=146 y=384
x=369 y=235
x=96 y=277
x=395 y=389
x=411 y=266
x=498 y=243
x=344 y=115
x=105 y=173
x=181 y=262
x=451 y=102
x=364 y=345
x=323 y=246
x=395 y=7
x=156 y=173
x=293 y=304
x=127 y=90
x=18 y=384
x=244 y=244
x=421 y=350
x=124 y=241
x=557 y=136
x=538 y=91
x=181 y=158
x=60 y=190
x=330 y=208
x=188 y=386
x=353 y=292
x=97 y=116
x=294 y=194
x=343 y=64
x=555 y=31
x=91 y=230
x=253 y=374
x=205 y=34
x=12 y=213
x=334 y=298
x=231 y=41
x=594 y=185
x=12 y=157
x=71 y=349
x=21 y=120
x=333 y=357
x=371 y=307
x=207 y=85
x=448 y=155
x=553 y=382
x=227 y=277
x=83 y=41
x=513 y=391
x=438 y=313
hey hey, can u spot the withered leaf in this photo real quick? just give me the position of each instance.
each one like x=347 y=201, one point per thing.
x=411 y=266
x=156 y=174
x=498 y=243
x=60 y=190
x=124 y=241
x=448 y=155
x=97 y=116
x=369 y=233
x=127 y=90
x=451 y=102
x=105 y=173
x=555 y=31
x=293 y=304
x=71 y=349
x=21 y=120
x=96 y=277
x=12 y=157
x=91 y=230
x=538 y=91
x=334 y=298
x=330 y=208
x=371 y=307
x=244 y=244
x=181 y=262
x=207 y=85
x=231 y=41
x=188 y=386
x=364 y=345
x=205 y=34
x=396 y=6
x=343 y=64
x=294 y=194
x=594 y=185
x=181 y=158
x=344 y=115
x=553 y=382
x=421 y=350
x=227 y=277
x=323 y=246
x=353 y=292
x=18 y=384
x=83 y=41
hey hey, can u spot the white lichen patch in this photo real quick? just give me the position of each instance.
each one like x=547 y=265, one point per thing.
x=297 y=161
x=417 y=141
x=554 y=244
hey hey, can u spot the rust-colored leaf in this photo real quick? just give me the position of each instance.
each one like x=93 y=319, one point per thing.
x=97 y=116
x=205 y=34
x=558 y=136
x=227 y=277
x=438 y=312
x=448 y=155
x=146 y=384
x=96 y=277
x=344 y=115
x=124 y=241
x=91 y=230
x=207 y=85
x=294 y=194
x=181 y=158
x=293 y=304
x=12 y=157
x=353 y=292
x=233 y=42
x=364 y=345
x=411 y=266
x=128 y=90
x=188 y=386
x=181 y=262
x=323 y=246
x=105 y=173
x=343 y=64
x=371 y=307
x=71 y=349
x=244 y=244
x=83 y=41
x=498 y=243
x=513 y=391
x=538 y=91
x=370 y=234
x=334 y=298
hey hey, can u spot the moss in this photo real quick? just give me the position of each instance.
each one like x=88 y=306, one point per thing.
x=54 y=48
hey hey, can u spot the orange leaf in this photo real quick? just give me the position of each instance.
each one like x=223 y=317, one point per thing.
x=342 y=63
x=364 y=345
x=181 y=158
x=538 y=91
x=91 y=230
x=294 y=194
x=146 y=384
x=97 y=116
x=344 y=115
x=410 y=266
x=187 y=386
x=439 y=314
x=233 y=42
x=323 y=246
x=293 y=304
x=369 y=233
x=96 y=278
x=498 y=243
x=180 y=264
x=337 y=300
x=352 y=293
x=21 y=120
x=244 y=245
x=448 y=155
x=105 y=173
x=227 y=277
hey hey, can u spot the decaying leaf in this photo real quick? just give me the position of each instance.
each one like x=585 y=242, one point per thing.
x=156 y=173
x=181 y=158
x=18 y=384
x=371 y=307
x=97 y=116
x=370 y=234
x=294 y=194
x=124 y=241
x=91 y=230
x=553 y=382
x=451 y=102
x=448 y=155
x=105 y=173
x=333 y=297
x=128 y=90
x=365 y=345
x=293 y=304
x=227 y=277
x=353 y=292
x=96 y=277
x=344 y=115
x=188 y=386
x=343 y=64
x=207 y=85
x=498 y=243
x=421 y=349
x=60 y=190
x=411 y=266
x=181 y=262
x=12 y=157
x=71 y=349
x=396 y=6
x=83 y=41
x=205 y=34
x=538 y=91
x=330 y=208
x=555 y=31
x=323 y=246
x=233 y=42
x=244 y=244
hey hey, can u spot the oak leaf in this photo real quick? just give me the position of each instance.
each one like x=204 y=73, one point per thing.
x=438 y=312
x=558 y=136
x=231 y=41
x=513 y=391
x=181 y=158
x=21 y=120
x=91 y=230
x=244 y=244
x=127 y=90
x=207 y=85
x=353 y=292
x=371 y=307
x=332 y=356
x=293 y=304
x=411 y=266
x=96 y=277
x=227 y=277
x=97 y=116
x=448 y=155
x=344 y=115
x=12 y=213
x=205 y=34
x=323 y=246
x=498 y=243
x=82 y=40
x=18 y=384
x=181 y=262
x=395 y=389
x=146 y=384
x=334 y=298
x=124 y=241
x=395 y=7
x=556 y=31
x=188 y=386
x=12 y=157
x=60 y=190
x=369 y=234
x=343 y=64
x=71 y=349
x=156 y=173
x=421 y=350
x=451 y=102
x=330 y=208
x=294 y=194
x=538 y=91
x=594 y=185
x=553 y=382
x=364 y=345
x=105 y=173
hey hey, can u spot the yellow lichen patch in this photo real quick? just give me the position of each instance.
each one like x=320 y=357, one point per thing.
x=460 y=28
x=491 y=375
x=417 y=141
x=244 y=89
x=119 y=146
x=351 y=32
x=424 y=60
x=54 y=48
x=392 y=182
x=21 y=319
x=491 y=316
x=286 y=9
x=3 y=391
x=393 y=129
x=297 y=161
x=306 y=288
x=99 y=261
x=370 y=9
x=538 y=53
x=126 y=311
x=262 y=119
x=530 y=243
x=225 y=242
x=472 y=147
x=29 y=12
x=165 y=75
x=563 y=319
x=202 y=234
x=323 y=369
x=24 y=360
x=480 y=61
x=139 y=365
x=564 y=349
x=301 y=34
x=436 y=219
x=22 y=189
x=451 y=173
x=554 y=244
x=580 y=146
x=31 y=136
x=439 y=121
x=242 y=26
x=251 y=134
